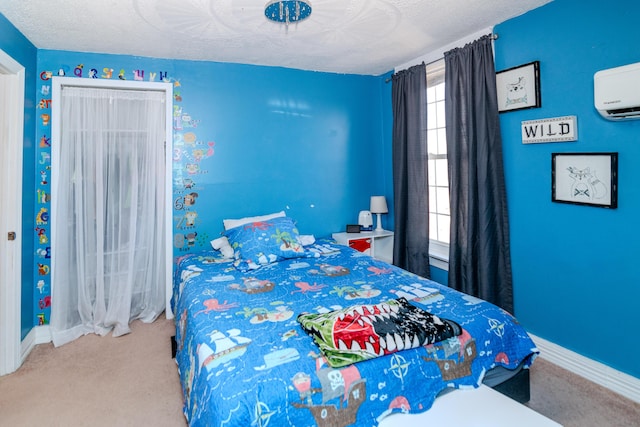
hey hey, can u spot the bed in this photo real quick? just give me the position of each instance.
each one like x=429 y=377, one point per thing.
x=244 y=358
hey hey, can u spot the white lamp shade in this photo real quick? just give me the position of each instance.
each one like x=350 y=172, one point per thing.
x=378 y=205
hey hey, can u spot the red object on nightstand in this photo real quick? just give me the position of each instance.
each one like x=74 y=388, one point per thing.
x=361 y=245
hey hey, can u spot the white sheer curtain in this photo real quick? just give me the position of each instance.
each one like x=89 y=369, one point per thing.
x=107 y=222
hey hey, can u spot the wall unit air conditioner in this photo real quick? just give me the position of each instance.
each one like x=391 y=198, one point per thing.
x=617 y=92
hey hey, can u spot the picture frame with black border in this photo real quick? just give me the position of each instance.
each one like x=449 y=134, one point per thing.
x=518 y=88
x=585 y=179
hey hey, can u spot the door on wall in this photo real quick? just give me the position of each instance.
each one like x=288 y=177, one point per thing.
x=11 y=133
x=109 y=197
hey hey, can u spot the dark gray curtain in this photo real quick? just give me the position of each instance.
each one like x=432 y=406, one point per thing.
x=479 y=255
x=410 y=180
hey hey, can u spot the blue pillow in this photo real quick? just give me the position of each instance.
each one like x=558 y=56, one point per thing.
x=264 y=242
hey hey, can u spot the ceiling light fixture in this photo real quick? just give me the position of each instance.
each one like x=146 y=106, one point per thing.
x=287 y=11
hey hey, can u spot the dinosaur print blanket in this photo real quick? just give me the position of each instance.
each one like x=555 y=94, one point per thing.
x=245 y=360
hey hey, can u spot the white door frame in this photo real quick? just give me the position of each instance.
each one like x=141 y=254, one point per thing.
x=56 y=84
x=11 y=138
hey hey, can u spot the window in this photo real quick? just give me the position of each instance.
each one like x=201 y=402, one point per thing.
x=439 y=213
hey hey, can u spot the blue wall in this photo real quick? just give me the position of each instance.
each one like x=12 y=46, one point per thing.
x=318 y=145
x=576 y=282
x=250 y=140
x=14 y=44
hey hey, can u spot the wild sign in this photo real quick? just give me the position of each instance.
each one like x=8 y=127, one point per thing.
x=558 y=129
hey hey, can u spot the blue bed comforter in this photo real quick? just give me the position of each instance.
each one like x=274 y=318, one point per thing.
x=245 y=361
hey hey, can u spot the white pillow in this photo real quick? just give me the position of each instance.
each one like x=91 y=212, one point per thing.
x=232 y=223
x=306 y=239
x=222 y=244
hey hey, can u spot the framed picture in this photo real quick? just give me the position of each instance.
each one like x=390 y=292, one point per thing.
x=519 y=87
x=585 y=179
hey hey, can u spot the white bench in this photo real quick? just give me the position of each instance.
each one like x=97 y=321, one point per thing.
x=480 y=407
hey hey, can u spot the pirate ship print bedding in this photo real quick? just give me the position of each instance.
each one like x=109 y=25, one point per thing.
x=244 y=357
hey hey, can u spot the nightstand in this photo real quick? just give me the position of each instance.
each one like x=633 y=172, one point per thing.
x=378 y=244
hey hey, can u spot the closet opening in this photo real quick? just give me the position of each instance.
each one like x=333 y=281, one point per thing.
x=111 y=253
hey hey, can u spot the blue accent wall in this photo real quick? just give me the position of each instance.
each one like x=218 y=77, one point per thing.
x=14 y=44
x=576 y=282
x=248 y=140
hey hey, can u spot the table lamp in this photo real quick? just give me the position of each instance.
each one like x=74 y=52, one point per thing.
x=378 y=206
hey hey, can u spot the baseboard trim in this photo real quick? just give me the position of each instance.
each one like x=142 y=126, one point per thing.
x=43 y=334
x=601 y=374
x=27 y=345
x=37 y=335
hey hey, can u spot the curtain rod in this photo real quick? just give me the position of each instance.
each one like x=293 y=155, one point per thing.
x=493 y=37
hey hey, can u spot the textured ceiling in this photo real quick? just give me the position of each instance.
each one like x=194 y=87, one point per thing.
x=342 y=36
